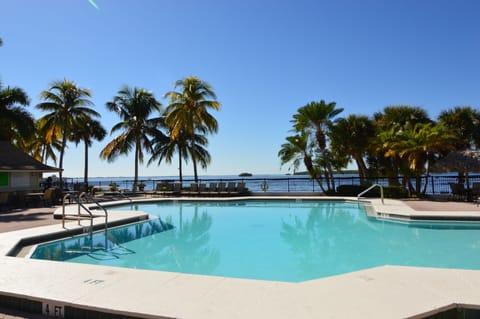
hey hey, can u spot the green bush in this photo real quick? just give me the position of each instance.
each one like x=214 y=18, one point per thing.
x=395 y=192
x=388 y=191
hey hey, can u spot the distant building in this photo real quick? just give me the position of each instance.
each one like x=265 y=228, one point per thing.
x=20 y=171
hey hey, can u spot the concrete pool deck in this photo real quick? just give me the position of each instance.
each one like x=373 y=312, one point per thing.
x=382 y=292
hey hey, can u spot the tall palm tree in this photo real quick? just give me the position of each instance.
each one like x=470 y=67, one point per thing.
x=87 y=131
x=187 y=113
x=134 y=106
x=351 y=137
x=67 y=103
x=316 y=118
x=16 y=124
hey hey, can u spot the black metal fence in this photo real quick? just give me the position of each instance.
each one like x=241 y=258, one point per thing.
x=436 y=184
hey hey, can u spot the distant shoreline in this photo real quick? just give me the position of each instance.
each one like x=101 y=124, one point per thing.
x=349 y=171
x=213 y=176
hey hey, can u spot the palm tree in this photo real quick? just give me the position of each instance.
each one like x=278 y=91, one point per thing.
x=388 y=123
x=401 y=115
x=165 y=147
x=317 y=118
x=40 y=148
x=464 y=121
x=16 y=124
x=297 y=150
x=87 y=131
x=351 y=137
x=134 y=106
x=424 y=143
x=418 y=145
x=187 y=113
x=67 y=104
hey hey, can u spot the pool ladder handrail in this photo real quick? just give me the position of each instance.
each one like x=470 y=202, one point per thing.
x=369 y=189
x=97 y=203
x=79 y=216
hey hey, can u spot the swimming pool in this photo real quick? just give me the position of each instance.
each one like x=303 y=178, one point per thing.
x=284 y=240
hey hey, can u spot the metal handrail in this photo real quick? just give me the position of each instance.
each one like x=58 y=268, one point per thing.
x=368 y=189
x=67 y=196
x=81 y=205
x=97 y=203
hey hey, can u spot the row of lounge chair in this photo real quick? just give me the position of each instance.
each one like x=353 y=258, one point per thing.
x=459 y=192
x=212 y=189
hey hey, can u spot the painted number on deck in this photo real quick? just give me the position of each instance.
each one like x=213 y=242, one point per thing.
x=53 y=310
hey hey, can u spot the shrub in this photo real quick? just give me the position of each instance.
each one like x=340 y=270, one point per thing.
x=388 y=191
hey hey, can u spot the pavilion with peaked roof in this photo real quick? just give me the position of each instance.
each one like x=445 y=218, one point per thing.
x=20 y=171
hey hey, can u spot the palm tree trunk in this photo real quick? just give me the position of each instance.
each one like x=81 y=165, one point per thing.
x=62 y=151
x=362 y=168
x=418 y=183
x=85 y=173
x=393 y=180
x=180 y=173
x=195 y=173
x=194 y=160
x=327 y=175
x=320 y=137
x=427 y=175
x=332 y=177
x=327 y=170
x=135 y=178
x=307 y=161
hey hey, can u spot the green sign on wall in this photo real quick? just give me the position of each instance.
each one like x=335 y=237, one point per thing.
x=3 y=179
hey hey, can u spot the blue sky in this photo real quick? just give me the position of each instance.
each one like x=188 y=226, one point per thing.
x=264 y=59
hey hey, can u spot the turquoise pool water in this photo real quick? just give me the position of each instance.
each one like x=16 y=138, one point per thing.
x=271 y=240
